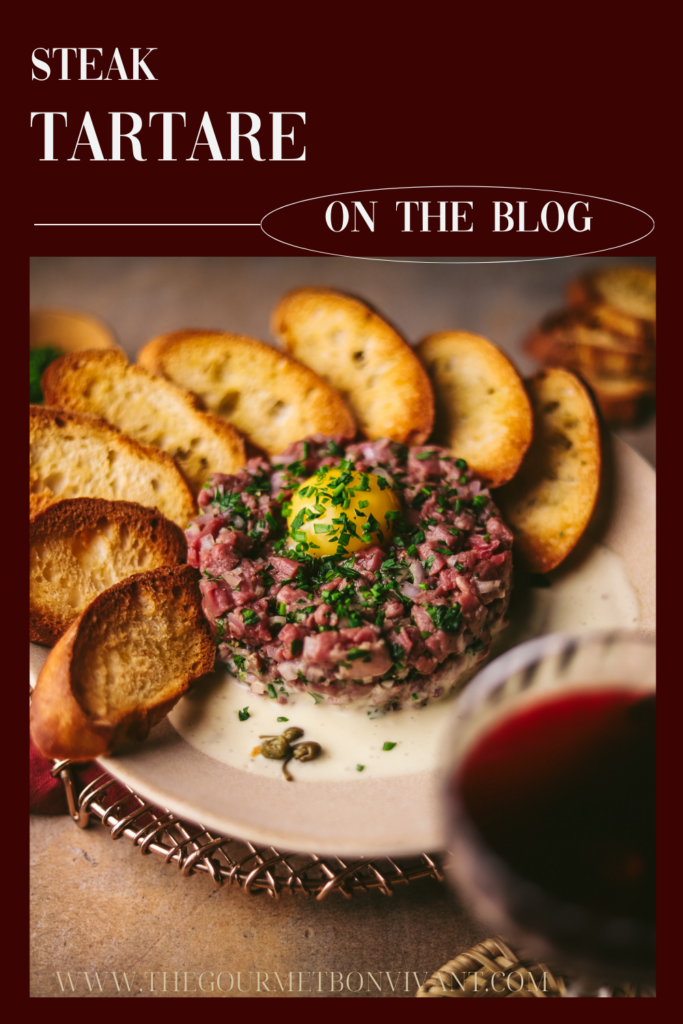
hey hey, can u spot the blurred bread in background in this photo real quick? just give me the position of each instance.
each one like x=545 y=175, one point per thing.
x=606 y=336
x=68 y=331
x=630 y=290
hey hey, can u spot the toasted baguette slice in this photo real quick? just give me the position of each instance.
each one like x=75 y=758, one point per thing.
x=77 y=456
x=483 y=414
x=363 y=357
x=632 y=290
x=68 y=330
x=551 y=499
x=270 y=398
x=597 y=340
x=151 y=411
x=122 y=665
x=82 y=546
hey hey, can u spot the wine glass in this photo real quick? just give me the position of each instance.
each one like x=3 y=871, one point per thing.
x=549 y=797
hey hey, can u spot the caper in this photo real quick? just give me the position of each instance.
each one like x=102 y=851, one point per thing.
x=292 y=733
x=307 y=751
x=276 y=747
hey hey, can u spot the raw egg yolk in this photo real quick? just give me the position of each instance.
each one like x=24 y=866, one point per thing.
x=338 y=511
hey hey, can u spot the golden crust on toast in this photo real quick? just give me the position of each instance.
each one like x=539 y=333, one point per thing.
x=483 y=413
x=595 y=340
x=271 y=398
x=122 y=665
x=81 y=546
x=363 y=357
x=551 y=499
x=631 y=290
x=154 y=412
x=73 y=455
x=68 y=330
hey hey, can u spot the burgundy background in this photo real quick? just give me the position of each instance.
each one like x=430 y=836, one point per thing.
x=574 y=99
x=390 y=101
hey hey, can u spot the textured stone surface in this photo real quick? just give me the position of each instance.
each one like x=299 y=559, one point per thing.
x=100 y=907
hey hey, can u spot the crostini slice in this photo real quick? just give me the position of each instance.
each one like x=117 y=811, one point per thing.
x=630 y=289
x=550 y=501
x=122 y=665
x=82 y=546
x=152 y=411
x=363 y=357
x=272 y=399
x=74 y=455
x=483 y=414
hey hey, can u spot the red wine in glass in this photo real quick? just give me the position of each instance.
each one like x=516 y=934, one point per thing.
x=552 y=813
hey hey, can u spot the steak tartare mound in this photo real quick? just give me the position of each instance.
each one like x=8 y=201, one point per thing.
x=401 y=611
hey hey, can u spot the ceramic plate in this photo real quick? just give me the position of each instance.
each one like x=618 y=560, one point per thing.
x=392 y=806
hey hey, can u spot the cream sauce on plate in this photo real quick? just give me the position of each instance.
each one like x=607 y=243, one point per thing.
x=594 y=594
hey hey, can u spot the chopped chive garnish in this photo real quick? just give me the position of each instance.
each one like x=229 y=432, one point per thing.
x=360 y=767
x=281 y=719
x=272 y=692
x=388 y=745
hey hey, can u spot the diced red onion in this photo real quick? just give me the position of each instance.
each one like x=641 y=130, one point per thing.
x=486 y=586
x=417 y=571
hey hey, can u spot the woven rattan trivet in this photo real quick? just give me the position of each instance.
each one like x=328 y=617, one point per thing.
x=493 y=969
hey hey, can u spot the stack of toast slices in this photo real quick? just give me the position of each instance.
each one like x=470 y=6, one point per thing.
x=606 y=334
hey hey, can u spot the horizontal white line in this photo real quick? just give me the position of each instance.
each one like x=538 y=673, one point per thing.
x=120 y=224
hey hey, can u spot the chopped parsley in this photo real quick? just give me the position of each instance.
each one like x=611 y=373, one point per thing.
x=445 y=617
x=358 y=652
x=281 y=719
x=388 y=745
x=360 y=767
x=272 y=692
x=243 y=715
